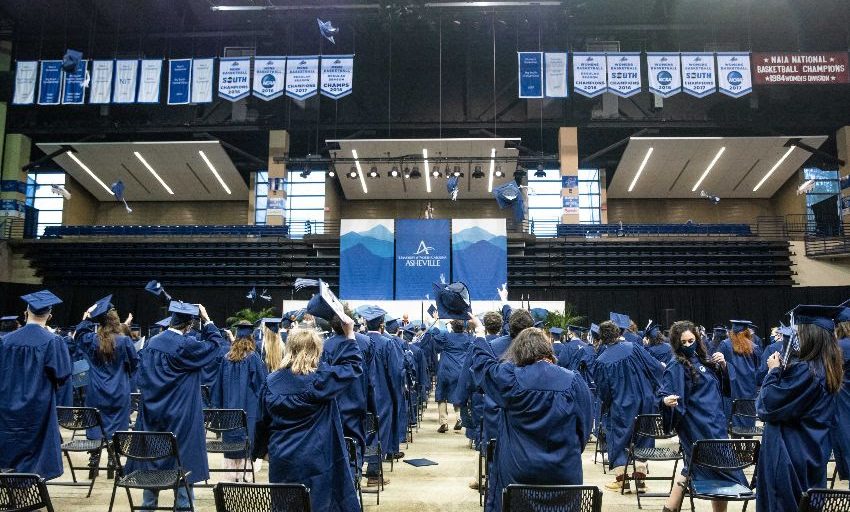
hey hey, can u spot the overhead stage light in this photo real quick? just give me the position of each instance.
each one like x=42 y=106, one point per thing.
x=373 y=173
x=332 y=172
x=394 y=172
x=456 y=172
x=540 y=173
x=415 y=174
x=498 y=172
x=435 y=172
x=353 y=173
x=407 y=172
x=477 y=173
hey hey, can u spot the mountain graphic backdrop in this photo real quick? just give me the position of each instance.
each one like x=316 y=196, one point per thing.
x=480 y=259
x=366 y=263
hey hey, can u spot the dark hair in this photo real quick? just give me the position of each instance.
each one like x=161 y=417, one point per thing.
x=457 y=326
x=181 y=326
x=520 y=320
x=492 y=322
x=336 y=322
x=658 y=339
x=376 y=324
x=676 y=331
x=609 y=333
x=819 y=345
x=528 y=347
x=110 y=327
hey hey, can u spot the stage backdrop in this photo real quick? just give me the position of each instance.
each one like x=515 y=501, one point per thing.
x=421 y=257
x=480 y=256
x=366 y=259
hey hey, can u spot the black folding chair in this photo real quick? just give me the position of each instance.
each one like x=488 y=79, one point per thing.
x=206 y=396
x=80 y=380
x=650 y=426
x=744 y=408
x=825 y=500
x=220 y=422
x=351 y=447
x=23 y=492
x=234 y=497
x=482 y=468
x=149 y=447
x=551 y=498
x=601 y=447
x=723 y=455
x=135 y=403
x=81 y=419
x=372 y=425
x=489 y=458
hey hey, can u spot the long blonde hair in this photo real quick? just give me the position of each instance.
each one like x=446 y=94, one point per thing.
x=272 y=349
x=302 y=352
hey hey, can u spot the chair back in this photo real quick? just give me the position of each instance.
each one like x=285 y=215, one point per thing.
x=225 y=420
x=23 y=492
x=825 y=500
x=491 y=451
x=79 y=418
x=651 y=426
x=80 y=374
x=146 y=446
x=744 y=407
x=551 y=498
x=725 y=454
x=238 y=497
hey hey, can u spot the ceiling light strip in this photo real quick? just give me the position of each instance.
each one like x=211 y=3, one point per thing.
x=155 y=175
x=89 y=172
x=215 y=172
x=773 y=169
x=427 y=170
x=640 y=169
x=492 y=170
x=359 y=171
x=708 y=169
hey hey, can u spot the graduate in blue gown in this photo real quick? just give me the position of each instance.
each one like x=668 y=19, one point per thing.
x=840 y=433
x=657 y=345
x=557 y=336
x=577 y=356
x=690 y=401
x=171 y=368
x=797 y=404
x=743 y=357
x=8 y=324
x=546 y=415
x=626 y=378
x=34 y=363
x=239 y=382
x=300 y=413
x=403 y=364
x=781 y=336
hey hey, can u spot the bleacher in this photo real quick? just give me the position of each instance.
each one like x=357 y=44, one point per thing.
x=235 y=230
x=631 y=230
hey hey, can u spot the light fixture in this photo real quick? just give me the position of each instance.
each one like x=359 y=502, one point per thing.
x=640 y=169
x=499 y=173
x=492 y=165
x=89 y=172
x=540 y=173
x=373 y=173
x=477 y=173
x=214 y=171
x=519 y=173
x=415 y=174
x=435 y=173
x=427 y=170
x=394 y=172
x=164 y=185
x=708 y=169
x=456 y=172
x=352 y=173
x=773 y=169
x=407 y=175
x=359 y=171
x=332 y=171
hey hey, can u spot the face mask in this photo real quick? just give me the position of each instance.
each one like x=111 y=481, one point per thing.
x=689 y=351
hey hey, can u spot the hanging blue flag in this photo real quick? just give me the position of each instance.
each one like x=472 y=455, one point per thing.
x=327 y=30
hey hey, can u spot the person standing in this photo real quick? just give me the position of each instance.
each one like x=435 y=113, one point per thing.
x=744 y=356
x=840 y=432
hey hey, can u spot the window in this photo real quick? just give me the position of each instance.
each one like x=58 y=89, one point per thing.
x=40 y=197
x=826 y=187
x=589 y=208
x=305 y=203
x=261 y=197
x=544 y=203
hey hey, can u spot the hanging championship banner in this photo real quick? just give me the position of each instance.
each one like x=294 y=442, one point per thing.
x=100 y=87
x=337 y=77
x=179 y=81
x=590 y=77
x=126 y=74
x=698 y=75
x=73 y=92
x=26 y=73
x=50 y=82
x=624 y=74
x=800 y=68
x=234 y=78
x=202 y=79
x=150 y=78
x=734 y=77
x=269 y=76
x=556 y=74
x=663 y=74
x=302 y=77
x=530 y=74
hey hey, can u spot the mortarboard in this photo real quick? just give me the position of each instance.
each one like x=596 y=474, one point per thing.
x=155 y=288
x=539 y=314
x=182 y=311
x=164 y=323
x=391 y=325
x=453 y=301
x=431 y=310
x=507 y=194
x=370 y=313
x=556 y=332
x=652 y=330
x=323 y=304
x=786 y=332
x=620 y=320
x=10 y=318
x=822 y=316
x=843 y=314
x=594 y=330
x=273 y=324
x=41 y=302
x=577 y=328
x=739 y=326
x=71 y=60
x=243 y=328
x=101 y=307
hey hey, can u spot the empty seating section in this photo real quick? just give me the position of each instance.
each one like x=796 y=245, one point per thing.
x=596 y=230
x=178 y=230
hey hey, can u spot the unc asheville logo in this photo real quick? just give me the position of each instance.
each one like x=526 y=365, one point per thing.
x=735 y=78
x=268 y=81
x=665 y=78
x=423 y=249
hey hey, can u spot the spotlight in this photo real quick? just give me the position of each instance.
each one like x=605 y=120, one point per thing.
x=540 y=173
x=415 y=174
x=373 y=173
x=477 y=173
x=332 y=172
x=407 y=173
x=435 y=173
x=353 y=173
x=456 y=172
x=304 y=174
x=394 y=172
x=499 y=173
x=519 y=173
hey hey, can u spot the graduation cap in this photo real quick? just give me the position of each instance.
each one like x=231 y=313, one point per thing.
x=620 y=320
x=539 y=314
x=243 y=328
x=556 y=332
x=182 y=312
x=509 y=194
x=71 y=60
x=10 y=318
x=786 y=332
x=370 y=313
x=155 y=288
x=117 y=189
x=327 y=30
x=391 y=325
x=739 y=326
x=273 y=324
x=431 y=310
x=41 y=302
x=324 y=304
x=594 y=330
x=453 y=301
x=822 y=316
x=844 y=313
x=101 y=307
x=577 y=328
x=720 y=330
x=452 y=187
x=302 y=283
x=165 y=323
x=652 y=330
x=252 y=294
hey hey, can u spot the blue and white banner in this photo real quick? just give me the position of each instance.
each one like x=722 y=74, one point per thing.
x=734 y=77
x=530 y=74
x=234 y=78
x=179 y=81
x=302 y=77
x=480 y=256
x=698 y=74
x=422 y=257
x=366 y=249
x=26 y=75
x=337 y=76
x=664 y=74
x=555 y=67
x=202 y=80
x=50 y=82
x=126 y=79
x=269 y=77
x=73 y=92
x=590 y=74
x=150 y=78
x=100 y=86
x=624 y=74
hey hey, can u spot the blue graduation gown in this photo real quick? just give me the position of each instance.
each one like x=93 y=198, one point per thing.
x=662 y=352
x=399 y=365
x=491 y=414
x=209 y=374
x=109 y=381
x=579 y=357
x=65 y=393
x=306 y=442
x=170 y=383
x=841 y=429
x=238 y=387
x=546 y=422
x=742 y=374
x=776 y=346
x=33 y=364
x=626 y=378
x=389 y=371
x=699 y=414
x=798 y=412
x=452 y=347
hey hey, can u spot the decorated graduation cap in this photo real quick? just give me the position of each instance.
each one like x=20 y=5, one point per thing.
x=41 y=302
x=453 y=301
x=370 y=313
x=556 y=333
x=243 y=328
x=821 y=316
x=101 y=307
x=510 y=195
x=620 y=320
x=154 y=287
x=739 y=326
x=182 y=312
x=324 y=304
